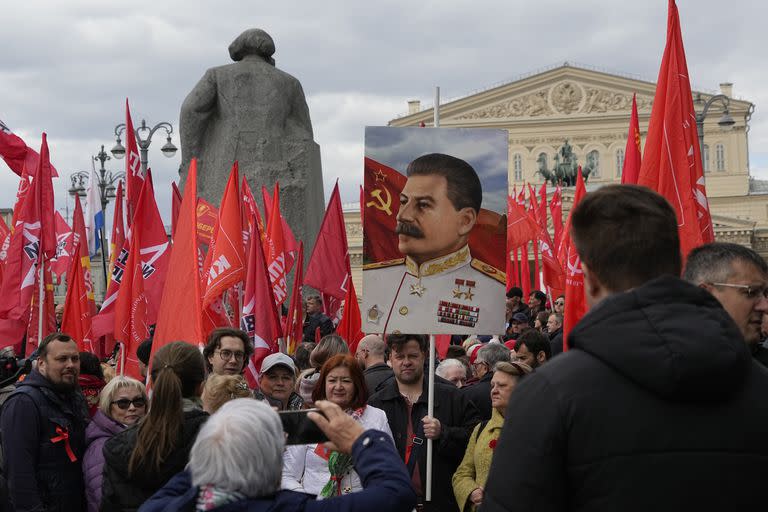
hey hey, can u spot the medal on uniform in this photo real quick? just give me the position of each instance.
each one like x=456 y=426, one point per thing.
x=418 y=289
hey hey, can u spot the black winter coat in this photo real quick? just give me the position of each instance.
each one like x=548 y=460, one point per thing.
x=658 y=406
x=375 y=375
x=121 y=492
x=38 y=424
x=457 y=416
x=479 y=394
x=312 y=322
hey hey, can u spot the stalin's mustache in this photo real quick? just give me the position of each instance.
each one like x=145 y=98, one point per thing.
x=404 y=228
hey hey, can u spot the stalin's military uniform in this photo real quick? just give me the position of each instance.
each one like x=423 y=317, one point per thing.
x=453 y=294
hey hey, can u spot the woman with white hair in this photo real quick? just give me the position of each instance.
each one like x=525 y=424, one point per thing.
x=235 y=464
x=122 y=403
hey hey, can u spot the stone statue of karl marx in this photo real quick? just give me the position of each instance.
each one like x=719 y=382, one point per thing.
x=254 y=113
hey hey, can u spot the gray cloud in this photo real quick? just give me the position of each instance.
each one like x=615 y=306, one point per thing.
x=67 y=67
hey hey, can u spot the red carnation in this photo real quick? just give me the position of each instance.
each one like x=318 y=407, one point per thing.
x=492 y=444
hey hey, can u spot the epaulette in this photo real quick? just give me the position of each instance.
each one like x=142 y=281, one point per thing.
x=489 y=270
x=384 y=264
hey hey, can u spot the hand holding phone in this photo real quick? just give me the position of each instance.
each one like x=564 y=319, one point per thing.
x=300 y=429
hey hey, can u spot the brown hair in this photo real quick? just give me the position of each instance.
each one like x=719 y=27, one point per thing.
x=360 y=398
x=177 y=371
x=214 y=342
x=220 y=389
x=626 y=235
x=329 y=346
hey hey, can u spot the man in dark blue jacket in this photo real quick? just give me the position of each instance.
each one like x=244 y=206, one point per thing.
x=43 y=427
x=657 y=404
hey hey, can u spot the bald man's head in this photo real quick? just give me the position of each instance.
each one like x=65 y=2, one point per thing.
x=371 y=350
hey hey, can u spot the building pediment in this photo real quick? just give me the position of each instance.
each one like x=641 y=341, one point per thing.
x=563 y=92
x=723 y=223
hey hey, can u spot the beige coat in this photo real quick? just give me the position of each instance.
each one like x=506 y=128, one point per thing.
x=473 y=470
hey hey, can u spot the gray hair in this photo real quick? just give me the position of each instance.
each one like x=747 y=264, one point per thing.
x=558 y=317
x=493 y=353
x=449 y=363
x=113 y=386
x=713 y=263
x=240 y=449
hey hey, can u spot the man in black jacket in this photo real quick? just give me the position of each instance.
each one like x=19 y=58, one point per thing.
x=555 y=332
x=315 y=319
x=658 y=404
x=404 y=400
x=479 y=393
x=43 y=424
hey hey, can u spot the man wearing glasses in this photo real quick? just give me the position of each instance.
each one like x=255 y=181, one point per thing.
x=737 y=277
x=227 y=352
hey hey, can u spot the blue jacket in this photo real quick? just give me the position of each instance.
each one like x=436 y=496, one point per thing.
x=387 y=487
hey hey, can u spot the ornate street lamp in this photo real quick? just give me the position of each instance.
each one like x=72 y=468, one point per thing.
x=168 y=149
x=106 y=183
x=725 y=122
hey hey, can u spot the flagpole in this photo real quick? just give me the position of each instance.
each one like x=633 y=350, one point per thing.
x=122 y=359
x=430 y=413
x=436 y=110
x=104 y=259
x=41 y=301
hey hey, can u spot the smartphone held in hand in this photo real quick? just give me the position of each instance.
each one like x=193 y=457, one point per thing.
x=300 y=429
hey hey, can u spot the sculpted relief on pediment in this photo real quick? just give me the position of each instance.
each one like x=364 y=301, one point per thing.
x=564 y=98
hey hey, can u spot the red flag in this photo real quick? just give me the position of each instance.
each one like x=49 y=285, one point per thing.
x=556 y=209
x=33 y=240
x=49 y=314
x=672 y=161
x=380 y=200
x=351 y=322
x=251 y=209
x=81 y=242
x=175 y=206
x=17 y=154
x=131 y=326
x=329 y=269
x=180 y=313
x=533 y=207
x=117 y=240
x=632 y=160
x=260 y=318
x=525 y=270
x=5 y=241
x=77 y=310
x=521 y=227
x=225 y=261
x=154 y=257
x=134 y=179
x=64 y=247
x=274 y=250
x=293 y=322
x=290 y=245
x=575 y=301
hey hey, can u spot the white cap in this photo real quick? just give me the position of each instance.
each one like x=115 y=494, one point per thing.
x=277 y=359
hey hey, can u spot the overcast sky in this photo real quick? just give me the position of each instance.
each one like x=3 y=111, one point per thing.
x=67 y=67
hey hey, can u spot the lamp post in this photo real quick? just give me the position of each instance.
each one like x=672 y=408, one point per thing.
x=725 y=122
x=106 y=183
x=168 y=148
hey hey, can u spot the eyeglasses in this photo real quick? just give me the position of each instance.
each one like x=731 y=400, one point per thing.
x=227 y=355
x=751 y=292
x=559 y=303
x=125 y=403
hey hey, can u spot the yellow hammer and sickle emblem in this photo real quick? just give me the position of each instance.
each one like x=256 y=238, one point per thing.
x=385 y=205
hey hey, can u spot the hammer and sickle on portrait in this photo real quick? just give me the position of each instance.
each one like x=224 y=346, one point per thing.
x=385 y=205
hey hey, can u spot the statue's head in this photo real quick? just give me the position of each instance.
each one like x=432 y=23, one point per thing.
x=253 y=41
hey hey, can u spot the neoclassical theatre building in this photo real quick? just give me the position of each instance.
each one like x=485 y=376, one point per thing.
x=590 y=109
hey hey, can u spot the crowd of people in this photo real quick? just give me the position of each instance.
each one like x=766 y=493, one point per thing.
x=658 y=397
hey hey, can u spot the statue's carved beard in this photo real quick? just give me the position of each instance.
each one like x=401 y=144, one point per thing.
x=408 y=229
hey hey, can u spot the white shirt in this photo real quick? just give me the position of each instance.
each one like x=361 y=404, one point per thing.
x=305 y=471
